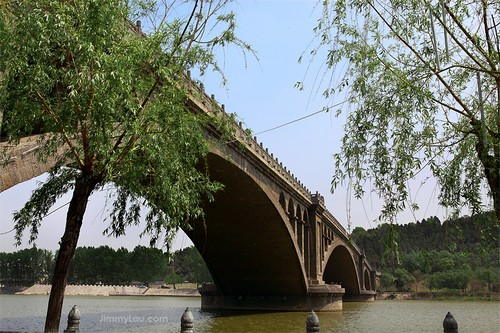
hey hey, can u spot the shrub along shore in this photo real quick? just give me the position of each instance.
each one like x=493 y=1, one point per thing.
x=441 y=295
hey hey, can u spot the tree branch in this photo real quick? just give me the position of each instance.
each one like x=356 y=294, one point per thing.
x=431 y=68
x=469 y=37
x=48 y=109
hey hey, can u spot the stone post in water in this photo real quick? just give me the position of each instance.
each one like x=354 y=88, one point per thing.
x=73 y=321
x=312 y=323
x=450 y=325
x=187 y=321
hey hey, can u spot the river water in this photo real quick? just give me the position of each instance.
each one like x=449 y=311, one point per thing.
x=162 y=314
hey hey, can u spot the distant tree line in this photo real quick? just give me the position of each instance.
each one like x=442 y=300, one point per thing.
x=424 y=256
x=25 y=267
x=105 y=265
x=458 y=254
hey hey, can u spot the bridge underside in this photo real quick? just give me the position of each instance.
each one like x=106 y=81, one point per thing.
x=340 y=269
x=243 y=239
x=249 y=250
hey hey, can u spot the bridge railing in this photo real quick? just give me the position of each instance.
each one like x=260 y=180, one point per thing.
x=209 y=105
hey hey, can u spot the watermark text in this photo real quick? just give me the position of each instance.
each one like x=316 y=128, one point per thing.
x=132 y=319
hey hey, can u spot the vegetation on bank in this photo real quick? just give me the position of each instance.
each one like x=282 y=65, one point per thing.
x=455 y=257
x=459 y=254
x=104 y=265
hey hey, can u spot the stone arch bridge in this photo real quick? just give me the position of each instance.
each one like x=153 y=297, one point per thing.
x=269 y=243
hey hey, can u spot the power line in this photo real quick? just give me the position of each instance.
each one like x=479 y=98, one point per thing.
x=325 y=109
x=7 y=232
x=67 y=203
x=53 y=211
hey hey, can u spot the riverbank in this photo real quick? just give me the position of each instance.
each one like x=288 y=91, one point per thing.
x=101 y=290
x=428 y=296
x=191 y=291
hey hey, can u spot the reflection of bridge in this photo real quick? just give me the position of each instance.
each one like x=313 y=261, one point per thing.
x=268 y=242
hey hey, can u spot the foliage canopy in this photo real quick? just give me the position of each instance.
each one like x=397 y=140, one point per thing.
x=110 y=103
x=422 y=78
x=93 y=84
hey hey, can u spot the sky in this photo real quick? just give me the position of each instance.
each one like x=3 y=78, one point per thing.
x=262 y=94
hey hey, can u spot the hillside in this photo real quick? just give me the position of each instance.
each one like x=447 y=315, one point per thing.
x=460 y=253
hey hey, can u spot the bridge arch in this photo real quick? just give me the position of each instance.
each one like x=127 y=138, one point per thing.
x=246 y=236
x=366 y=280
x=283 y=201
x=21 y=162
x=341 y=269
x=291 y=215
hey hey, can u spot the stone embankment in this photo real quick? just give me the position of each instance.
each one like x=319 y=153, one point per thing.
x=104 y=290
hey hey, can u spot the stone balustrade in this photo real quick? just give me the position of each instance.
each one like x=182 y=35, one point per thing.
x=450 y=325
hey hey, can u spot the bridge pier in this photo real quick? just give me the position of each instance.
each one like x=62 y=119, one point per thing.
x=318 y=298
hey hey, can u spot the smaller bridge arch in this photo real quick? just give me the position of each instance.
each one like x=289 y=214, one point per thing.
x=367 y=281
x=340 y=269
x=349 y=269
x=292 y=218
x=282 y=201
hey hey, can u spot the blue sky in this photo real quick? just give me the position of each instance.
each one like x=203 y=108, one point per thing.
x=263 y=96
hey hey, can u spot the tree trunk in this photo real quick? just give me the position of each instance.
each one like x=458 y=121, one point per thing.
x=495 y=183
x=493 y=175
x=491 y=165
x=74 y=218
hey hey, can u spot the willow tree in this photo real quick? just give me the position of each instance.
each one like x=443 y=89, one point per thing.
x=110 y=97
x=422 y=79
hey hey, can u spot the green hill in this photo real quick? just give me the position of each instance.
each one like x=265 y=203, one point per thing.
x=459 y=254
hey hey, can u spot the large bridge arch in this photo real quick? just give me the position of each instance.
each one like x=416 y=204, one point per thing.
x=245 y=236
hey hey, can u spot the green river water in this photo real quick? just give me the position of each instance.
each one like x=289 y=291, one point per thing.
x=25 y=313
